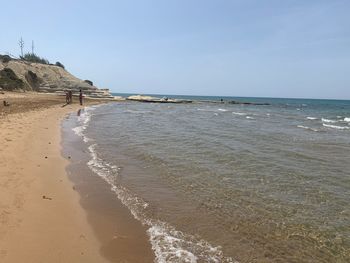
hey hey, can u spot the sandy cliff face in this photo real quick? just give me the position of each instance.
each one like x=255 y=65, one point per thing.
x=49 y=78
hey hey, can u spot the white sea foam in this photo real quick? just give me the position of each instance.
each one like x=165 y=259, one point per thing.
x=78 y=131
x=239 y=113
x=311 y=118
x=328 y=121
x=208 y=110
x=224 y=110
x=137 y=111
x=347 y=119
x=169 y=244
x=83 y=119
x=250 y=118
x=307 y=128
x=336 y=127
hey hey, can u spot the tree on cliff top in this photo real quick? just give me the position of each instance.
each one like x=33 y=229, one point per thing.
x=34 y=58
x=59 y=64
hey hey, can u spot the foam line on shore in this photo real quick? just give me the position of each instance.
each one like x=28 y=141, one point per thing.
x=169 y=244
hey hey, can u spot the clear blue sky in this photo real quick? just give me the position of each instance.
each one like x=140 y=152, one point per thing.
x=269 y=48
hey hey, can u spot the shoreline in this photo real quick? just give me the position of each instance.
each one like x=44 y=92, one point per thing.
x=41 y=219
x=122 y=238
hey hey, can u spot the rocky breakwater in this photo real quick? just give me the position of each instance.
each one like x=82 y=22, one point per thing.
x=21 y=75
x=150 y=99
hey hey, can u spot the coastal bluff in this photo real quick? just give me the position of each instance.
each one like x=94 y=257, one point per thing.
x=21 y=75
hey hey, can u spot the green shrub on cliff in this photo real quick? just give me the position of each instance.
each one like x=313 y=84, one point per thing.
x=9 y=80
x=34 y=58
x=5 y=58
x=33 y=80
x=59 y=64
x=89 y=82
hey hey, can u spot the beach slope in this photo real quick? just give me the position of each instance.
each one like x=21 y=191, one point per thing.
x=41 y=219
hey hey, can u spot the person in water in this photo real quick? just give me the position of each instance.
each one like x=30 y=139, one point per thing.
x=81 y=97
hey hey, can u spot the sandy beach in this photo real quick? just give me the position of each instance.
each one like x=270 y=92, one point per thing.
x=41 y=219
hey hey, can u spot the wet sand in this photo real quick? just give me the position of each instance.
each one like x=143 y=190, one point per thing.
x=42 y=218
x=122 y=237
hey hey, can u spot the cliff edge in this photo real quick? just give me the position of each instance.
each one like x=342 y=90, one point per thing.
x=16 y=74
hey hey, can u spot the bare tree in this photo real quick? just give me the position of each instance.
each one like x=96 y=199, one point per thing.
x=32 y=46
x=21 y=45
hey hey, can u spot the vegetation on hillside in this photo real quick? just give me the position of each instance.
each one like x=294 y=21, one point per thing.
x=31 y=57
x=33 y=80
x=89 y=82
x=5 y=58
x=59 y=64
x=9 y=80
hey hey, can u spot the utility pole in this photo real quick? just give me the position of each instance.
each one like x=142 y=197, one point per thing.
x=21 y=45
x=32 y=47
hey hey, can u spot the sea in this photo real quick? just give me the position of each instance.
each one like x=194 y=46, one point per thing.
x=221 y=182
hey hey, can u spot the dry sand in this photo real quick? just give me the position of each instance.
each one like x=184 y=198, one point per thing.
x=40 y=216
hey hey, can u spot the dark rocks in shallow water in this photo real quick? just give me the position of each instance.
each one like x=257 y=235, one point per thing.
x=246 y=103
x=233 y=102
x=150 y=99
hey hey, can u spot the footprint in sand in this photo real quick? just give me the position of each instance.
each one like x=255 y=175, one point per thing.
x=3 y=253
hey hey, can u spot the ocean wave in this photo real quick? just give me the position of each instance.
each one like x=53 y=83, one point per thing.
x=328 y=121
x=224 y=110
x=311 y=118
x=207 y=110
x=79 y=131
x=307 y=128
x=239 y=113
x=169 y=244
x=336 y=127
x=83 y=119
x=347 y=119
x=137 y=111
x=250 y=118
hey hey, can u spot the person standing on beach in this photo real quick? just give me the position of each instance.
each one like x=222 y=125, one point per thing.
x=81 y=97
x=70 y=96
x=67 y=97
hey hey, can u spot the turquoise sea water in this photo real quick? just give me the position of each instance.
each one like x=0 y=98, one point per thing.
x=217 y=182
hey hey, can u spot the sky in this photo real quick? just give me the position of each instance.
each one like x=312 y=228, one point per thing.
x=259 y=48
